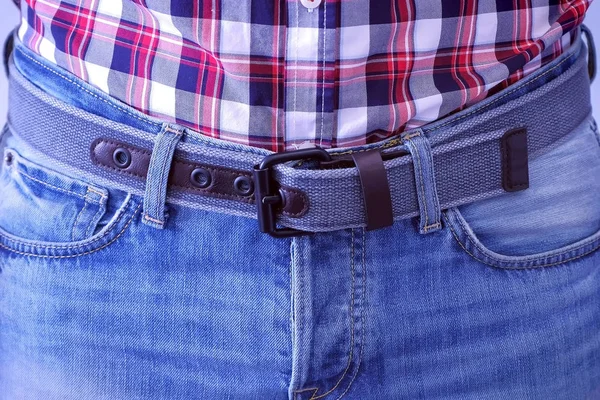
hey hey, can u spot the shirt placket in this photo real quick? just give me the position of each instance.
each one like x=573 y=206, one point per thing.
x=311 y=51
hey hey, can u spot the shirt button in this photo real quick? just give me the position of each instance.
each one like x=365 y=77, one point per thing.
x=310 y=4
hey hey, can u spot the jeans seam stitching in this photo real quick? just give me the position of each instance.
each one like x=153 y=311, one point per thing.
x=523 y=260
x=149 y=218
x=362 y=314
x=420 y=178
x=163 y=168
x=350 y=355
x=85 y=204
x=50 y=185
x=80 y=254
x=65 y=247
x=91 y=223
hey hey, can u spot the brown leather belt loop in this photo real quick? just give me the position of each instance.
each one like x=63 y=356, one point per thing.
x=376 y=189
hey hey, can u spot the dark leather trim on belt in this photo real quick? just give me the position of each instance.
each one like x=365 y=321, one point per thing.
x=203 y=179
x=376 y=189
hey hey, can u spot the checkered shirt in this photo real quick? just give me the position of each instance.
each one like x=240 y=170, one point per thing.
x=294 y=73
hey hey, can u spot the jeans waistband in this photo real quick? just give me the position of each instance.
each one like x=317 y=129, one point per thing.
x=476 y=154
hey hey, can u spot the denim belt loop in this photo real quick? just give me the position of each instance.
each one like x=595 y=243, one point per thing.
x=158 y=174
x=429 y=205
x=592 y=60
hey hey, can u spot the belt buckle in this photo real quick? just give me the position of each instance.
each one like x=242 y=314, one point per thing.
x=268 y=195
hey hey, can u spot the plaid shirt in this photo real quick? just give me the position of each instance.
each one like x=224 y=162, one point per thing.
x=291 y=73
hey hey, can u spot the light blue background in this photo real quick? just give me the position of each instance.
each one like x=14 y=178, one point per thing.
x=9 y=17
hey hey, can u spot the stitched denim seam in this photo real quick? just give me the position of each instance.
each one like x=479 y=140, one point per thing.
x=351 y=312
x=436 y=203
x=87 y=91
x=149 y=179
x=458 y=240
x=362 y=314
x=91 y=189
x=50 y=185
x=149 y=218
x=85 y=204
x=91 y=223
x=419 y=177
x=432 y=226
x=80 y=254
x=67 y=247
x=22 y=164
x=292 y=304
x=485 y=251
x=163 y=168
x=594 y=127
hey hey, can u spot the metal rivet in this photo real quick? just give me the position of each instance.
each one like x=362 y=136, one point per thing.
x=122 y=157
x=243 y=186
x=201 y=178
x=8 y=158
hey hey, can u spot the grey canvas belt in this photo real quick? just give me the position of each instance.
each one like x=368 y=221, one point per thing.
x=473 y=155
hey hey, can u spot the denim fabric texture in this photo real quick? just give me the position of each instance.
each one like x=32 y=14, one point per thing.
x=502 y=301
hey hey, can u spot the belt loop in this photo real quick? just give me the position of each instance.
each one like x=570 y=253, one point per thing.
x=158 y=175
x=9 y=45
x=591 y=52
x=429 y=205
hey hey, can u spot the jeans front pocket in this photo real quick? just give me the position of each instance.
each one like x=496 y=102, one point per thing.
x=555 y=220
x=45 y=213
x=39 y=204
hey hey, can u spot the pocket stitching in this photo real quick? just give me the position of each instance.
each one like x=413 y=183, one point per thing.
x=49 y=185
x=479 y=246
x=67 y=247
x=80 y=254
x=91 y=223
x=85 y=204
x=523 y=259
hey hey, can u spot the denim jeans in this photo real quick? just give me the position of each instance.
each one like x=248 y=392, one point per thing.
x=503 y=301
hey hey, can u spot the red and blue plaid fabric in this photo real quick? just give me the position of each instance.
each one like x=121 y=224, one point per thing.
x=292 y=73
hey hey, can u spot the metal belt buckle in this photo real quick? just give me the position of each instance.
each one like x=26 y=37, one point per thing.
x=268 y=195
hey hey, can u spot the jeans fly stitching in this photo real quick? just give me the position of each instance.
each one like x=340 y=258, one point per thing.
x=351 y=312
x=362 y=313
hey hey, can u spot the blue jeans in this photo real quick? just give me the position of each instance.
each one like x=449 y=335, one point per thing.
x=503 y=301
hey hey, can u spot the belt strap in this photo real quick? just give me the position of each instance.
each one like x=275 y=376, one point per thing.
x=466 y=154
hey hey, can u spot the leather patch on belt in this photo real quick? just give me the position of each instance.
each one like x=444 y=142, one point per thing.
x=515 y=161
x=375 y=188
x=203 y=179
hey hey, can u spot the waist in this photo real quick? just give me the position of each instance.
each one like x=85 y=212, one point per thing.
x=85 y=131
x=334 y=77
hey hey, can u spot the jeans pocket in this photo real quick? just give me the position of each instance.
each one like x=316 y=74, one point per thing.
x=49 y=214
x=557 y=219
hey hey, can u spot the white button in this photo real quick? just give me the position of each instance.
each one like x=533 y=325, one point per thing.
x=310 y=4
